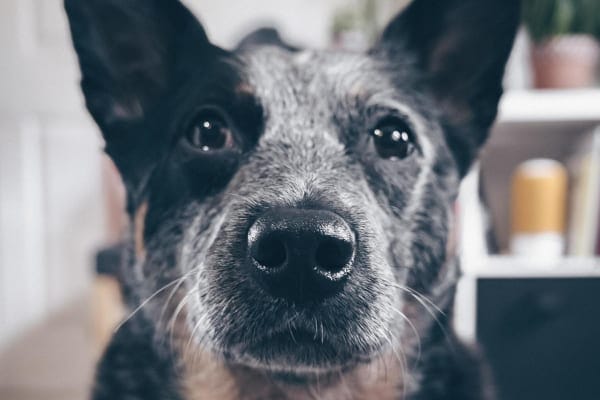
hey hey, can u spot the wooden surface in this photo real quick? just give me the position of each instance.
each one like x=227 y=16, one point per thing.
x=53 y=361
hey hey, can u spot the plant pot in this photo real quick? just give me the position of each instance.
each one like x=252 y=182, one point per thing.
x=568 y=61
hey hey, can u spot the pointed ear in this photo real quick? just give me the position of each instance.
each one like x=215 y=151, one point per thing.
x=131 y=54
x=128 y=51
x=461 y=47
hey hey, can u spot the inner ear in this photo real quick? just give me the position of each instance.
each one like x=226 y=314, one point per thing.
x=129 y=52
x=461 y=48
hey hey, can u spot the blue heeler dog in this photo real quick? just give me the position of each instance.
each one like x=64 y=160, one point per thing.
x=291 y=210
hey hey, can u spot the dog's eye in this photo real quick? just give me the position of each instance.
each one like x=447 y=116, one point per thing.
x=209 y=131
x=393 y=138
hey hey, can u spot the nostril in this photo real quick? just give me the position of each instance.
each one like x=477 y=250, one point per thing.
x=270 y=252
x=332 y=255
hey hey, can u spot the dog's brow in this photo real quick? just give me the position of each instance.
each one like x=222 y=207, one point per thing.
x=357 y=90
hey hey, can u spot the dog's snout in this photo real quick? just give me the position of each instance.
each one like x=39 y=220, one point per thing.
x=301 y=254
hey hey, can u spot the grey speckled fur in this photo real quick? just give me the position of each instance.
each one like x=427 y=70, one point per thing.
x=302 y=120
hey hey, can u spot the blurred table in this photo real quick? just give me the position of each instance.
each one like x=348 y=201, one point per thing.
x=53 y=361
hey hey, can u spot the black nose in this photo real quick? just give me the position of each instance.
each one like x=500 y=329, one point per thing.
x=301 y=255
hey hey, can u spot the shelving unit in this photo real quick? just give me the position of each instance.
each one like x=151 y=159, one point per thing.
x=508 y=267
x=533 y=124
x=550 y=106
x=520 y=267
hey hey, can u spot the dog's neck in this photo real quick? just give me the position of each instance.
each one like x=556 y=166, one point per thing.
x=206 y=378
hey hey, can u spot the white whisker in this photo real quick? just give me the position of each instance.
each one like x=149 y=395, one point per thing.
x=138 y=308
x=171 y=327
x=414 y=329
x=427 y=304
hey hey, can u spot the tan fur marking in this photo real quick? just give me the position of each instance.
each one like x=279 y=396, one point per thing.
x=205 y=378
x=244 y=89
x=210 y=379
x=138 y=226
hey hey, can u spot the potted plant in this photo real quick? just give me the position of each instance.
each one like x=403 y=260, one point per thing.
x=357 y=23
x=565 y=34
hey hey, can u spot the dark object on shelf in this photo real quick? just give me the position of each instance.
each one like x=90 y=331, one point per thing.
x=109 y=260
x=541 y=336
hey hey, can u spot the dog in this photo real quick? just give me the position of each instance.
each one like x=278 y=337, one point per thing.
x=291 y=210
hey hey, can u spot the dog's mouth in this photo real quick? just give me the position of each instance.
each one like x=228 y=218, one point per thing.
x=298 y=354
x=293 y=344
x=296 y=338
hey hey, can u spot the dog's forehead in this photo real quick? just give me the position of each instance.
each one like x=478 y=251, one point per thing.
x=310 y=81
x=324 y=91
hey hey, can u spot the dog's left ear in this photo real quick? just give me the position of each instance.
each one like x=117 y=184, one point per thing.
x=461 y=47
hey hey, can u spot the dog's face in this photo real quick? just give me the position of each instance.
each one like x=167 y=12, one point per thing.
x=289 y=205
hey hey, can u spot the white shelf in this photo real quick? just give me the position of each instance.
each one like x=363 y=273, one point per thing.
x=531 y=106
x=509 y=267
x=520 y=267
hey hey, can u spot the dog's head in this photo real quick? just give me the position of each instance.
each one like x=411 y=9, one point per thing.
x=291 y=204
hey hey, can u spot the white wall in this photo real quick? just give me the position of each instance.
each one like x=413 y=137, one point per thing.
x=302 y=21
x=50 y=200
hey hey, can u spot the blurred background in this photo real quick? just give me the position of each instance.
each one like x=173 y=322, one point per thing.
x=529 y=212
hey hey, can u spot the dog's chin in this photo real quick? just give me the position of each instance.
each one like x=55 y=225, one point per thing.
x=298 y=356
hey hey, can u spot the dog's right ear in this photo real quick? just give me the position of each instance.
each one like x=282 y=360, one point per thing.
x=129 y=52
